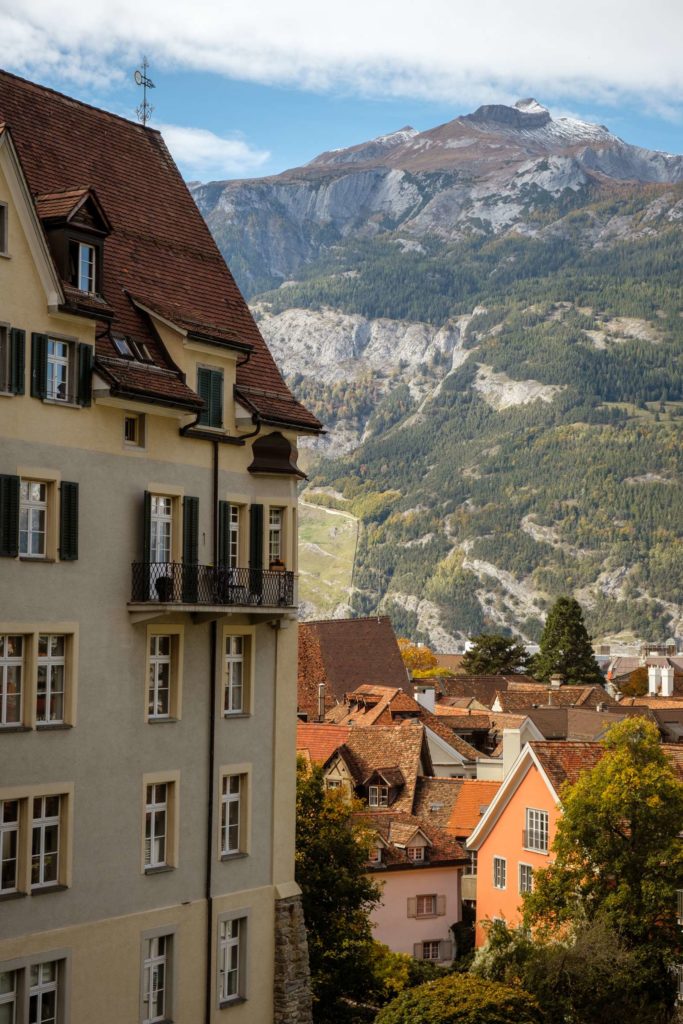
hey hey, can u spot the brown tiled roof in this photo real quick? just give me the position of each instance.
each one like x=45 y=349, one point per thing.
x=378 y=747
x=399 y=827
x=574 y=723
x=453 y=662
x=320 y=741
x=454 y=805
x=444 y=729
x=345 y=654
x=563 y=761
x=652 y=702
x=159 y=247
x=564 y=696
x=483 y=688
x=59 y=204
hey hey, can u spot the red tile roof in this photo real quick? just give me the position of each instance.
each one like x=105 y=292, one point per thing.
x=320 y=741
x=455 y=805
x=564 y=696
x=399 y=827
x=381 y=747
x=159 y=246
x=564 y=760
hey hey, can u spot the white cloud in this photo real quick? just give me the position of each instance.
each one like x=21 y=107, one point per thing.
x=453 y=50
x=203 y=154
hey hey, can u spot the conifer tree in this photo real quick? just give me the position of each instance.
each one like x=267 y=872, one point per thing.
x=566 y=647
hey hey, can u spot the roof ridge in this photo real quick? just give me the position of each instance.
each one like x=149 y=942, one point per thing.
x=70 y=99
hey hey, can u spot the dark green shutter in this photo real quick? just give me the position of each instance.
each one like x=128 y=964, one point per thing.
x=68 y=522
x=256 y=548
x=9 y=516
x=216 y=384
x=17 y=363
x=223 y=532
x=85 y=358
x=147 y=527
x=39 y=365
x=204 y=392
x=190 y=549
x=142 y=579
x=210 y=390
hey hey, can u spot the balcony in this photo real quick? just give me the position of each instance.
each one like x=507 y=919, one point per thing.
x=173 y=585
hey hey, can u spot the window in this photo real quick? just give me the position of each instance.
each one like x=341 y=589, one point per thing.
x=232 y=956
x=4 y=229
x=34 y=992
x=156 y=977
x=231 y=814
x=9 y=845
x=134 y=430
x=156 y=826
x=426 y=906
x=8 y=997
x=536 y=834
x=378 y=796
x=499 y=871
x=234 y=537
x=86 y=268
x=42 y=1007
x=11 y=672
x=525 y=877
x=473 y=862
x=333 y=783
x=58 y=370
x=375 y=855
x=430 y=950
x=210 y=390
x=45 y=841
x=51 y=668
x=415 y=853
x=275 y=535
x=234 y=675
x=161 y=527
x=159 y=703
x=33 y=500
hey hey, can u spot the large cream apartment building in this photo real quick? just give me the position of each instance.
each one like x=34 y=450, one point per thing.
x=148 y=524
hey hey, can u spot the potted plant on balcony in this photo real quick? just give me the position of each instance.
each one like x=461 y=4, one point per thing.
x=164 y=588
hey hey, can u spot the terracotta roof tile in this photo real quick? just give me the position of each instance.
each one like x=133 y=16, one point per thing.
x=159 y=246
x=382 y=747
x=564 y=696
x=398 y=827
x=320 y=741
x=473 y=798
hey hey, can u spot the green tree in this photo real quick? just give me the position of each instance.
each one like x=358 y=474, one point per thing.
x=494 y=654
x=566 y=646
x=618 y=851
x=338 y=896
x=461 y=999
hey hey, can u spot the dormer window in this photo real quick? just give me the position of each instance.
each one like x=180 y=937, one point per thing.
x=86 y=268
x=415 y=853
x=375 y=855
x=378 y=796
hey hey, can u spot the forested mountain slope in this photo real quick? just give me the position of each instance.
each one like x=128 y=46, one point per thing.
x=500 y=363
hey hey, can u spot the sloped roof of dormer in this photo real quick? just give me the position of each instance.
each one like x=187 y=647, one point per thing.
x=73 y=205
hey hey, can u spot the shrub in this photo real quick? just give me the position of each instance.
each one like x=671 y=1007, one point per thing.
x=461 y=999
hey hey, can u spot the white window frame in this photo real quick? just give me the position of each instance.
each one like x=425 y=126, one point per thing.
x=11 y=998
x=161 y=529
x=9 y=828
x=526 y=874
x=234 y=536
x=536 y=831
x=237 y=945
x=40 y=825
x=156 y=662
x=51 y=662
x=473 y=866
x=32 y=505
x=499 y=873
x=375 y=855
x=233 y=687
x=415 y=853
x=429 y=945
x=155 y=807
x=7 y=663
x=229 y=802
x=86 y=269
x=378 y=796
x=425 y=906
x=60 y=370
x=276 y=516
x=41 y=989
x=152 y=960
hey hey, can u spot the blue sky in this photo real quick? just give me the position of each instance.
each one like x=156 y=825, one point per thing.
x=255 y=88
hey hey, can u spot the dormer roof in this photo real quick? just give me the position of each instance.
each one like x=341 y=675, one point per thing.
x=79 y=206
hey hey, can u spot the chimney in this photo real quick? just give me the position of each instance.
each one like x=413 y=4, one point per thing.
x=512 y=745
x=555 y=682
x=653 y=676
x=667 y=681
x=425 y=695
x=321 y=702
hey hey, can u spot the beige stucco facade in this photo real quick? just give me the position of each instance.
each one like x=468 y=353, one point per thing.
x=105 y=752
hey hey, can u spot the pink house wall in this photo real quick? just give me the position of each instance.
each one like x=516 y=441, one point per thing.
x=506 y=840
x=392 y=925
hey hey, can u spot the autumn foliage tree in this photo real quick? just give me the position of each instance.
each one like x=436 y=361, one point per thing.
x=416 y=657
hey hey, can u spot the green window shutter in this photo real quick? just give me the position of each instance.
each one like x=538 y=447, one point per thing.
x=68 y=522
x=84 y=370
x=39 y=365
x=17 y=364
x=223 y=532
x=210 y=390
x=190 y=549
x=256 y=537
x=147 y=527
x=9 y=516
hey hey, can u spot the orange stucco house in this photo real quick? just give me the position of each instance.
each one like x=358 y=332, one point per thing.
x=514 y=837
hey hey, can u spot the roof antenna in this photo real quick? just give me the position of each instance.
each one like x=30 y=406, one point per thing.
x=145 y=110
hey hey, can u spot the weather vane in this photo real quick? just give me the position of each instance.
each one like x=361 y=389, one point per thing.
x=144 y=111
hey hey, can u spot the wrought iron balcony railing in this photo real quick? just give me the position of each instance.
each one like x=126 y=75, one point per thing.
x=178 y=583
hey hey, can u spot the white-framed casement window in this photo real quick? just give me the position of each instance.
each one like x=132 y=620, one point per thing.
x=43 y=992
x=430 y=949
x=156 y=824
x=33 y=508
x=473 y=863
x=51 y=679
x=85 y=281
x=33 y=990
x=499 y=872
x=8 y=997
x=232 y=797
x=536 y=830
x=232 y=957
x=234 y=674
x=415 y=853
x=11 y=679
x=161 y=529
x=375 y=855
x=156 y=979
x=45 y=841
x=378 y=796
x=333 y=784
x=426 y=905
x=60 y=370
x=275 y=531
x=9 y=850
x=160 y=667
x=234 y=537
x=526 y=874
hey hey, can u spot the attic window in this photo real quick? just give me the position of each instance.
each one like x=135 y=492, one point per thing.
x=375 y=855
x=415 y=853
x=123 y=348
x=130 y=349
x=378 y=796
x=83 y=266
